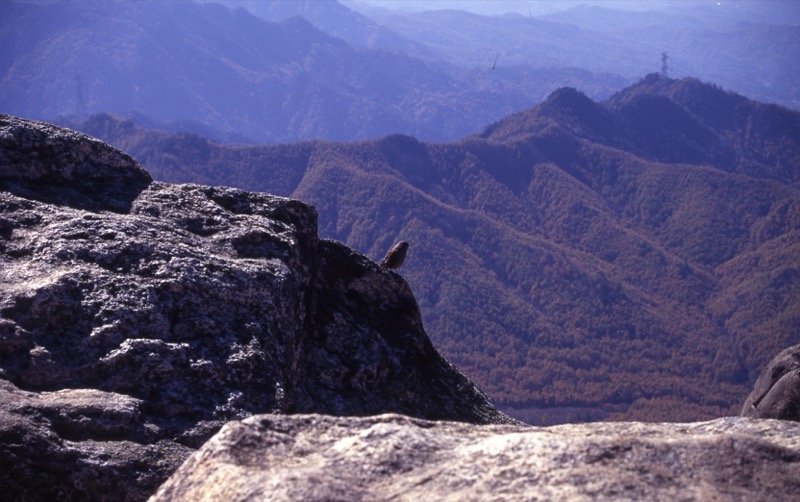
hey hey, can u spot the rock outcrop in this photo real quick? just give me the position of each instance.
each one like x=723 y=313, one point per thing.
x=137 y=317
x=391 y=457
x=776 y=393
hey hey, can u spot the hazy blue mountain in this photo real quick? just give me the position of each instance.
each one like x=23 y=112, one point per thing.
x=606 y=15
x=243 y=76
x=335 y=19
x=750 y=47
x=633 y=258
x=321 y=70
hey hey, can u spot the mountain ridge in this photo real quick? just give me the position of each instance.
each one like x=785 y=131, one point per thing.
x=242 y=75
x=683 y=115
x=555 y=267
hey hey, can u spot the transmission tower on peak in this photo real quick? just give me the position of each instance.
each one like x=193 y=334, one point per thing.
x=664 y=58
x=80 y=103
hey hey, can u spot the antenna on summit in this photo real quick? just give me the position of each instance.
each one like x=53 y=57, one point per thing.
x=664 y=58
x=80 y=103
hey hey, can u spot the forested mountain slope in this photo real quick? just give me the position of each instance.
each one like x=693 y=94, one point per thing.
x=634 y=258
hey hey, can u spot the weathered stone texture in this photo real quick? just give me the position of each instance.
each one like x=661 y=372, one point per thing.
x=776 y=393
x=137 y=317
x=392 y=457
x=80 y=444
x=49 y=163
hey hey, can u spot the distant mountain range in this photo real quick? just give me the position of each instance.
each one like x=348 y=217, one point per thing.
x=279 y=71
x=634 y=258
x=751 y=47
x=206 y=68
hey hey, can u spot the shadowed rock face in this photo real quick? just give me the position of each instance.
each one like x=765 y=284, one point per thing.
x=137 y=317
x=80 y=444
x=391 y=457
x=776 y=393
x=368 y=353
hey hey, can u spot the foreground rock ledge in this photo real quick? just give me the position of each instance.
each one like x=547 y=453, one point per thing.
x=137 y=317
x=393 y=457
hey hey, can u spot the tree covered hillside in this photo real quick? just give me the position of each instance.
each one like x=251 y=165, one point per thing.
x=636 y=258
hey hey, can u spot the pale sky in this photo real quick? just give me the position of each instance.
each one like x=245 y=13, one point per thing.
x=495 y=7
x=770 y=11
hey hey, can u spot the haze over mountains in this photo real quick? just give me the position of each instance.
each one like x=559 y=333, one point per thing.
x=633 y=258
x=277 y=71
x=240 y=77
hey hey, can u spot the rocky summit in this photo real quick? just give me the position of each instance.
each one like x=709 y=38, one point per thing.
x=392 y=457
x=137 y=317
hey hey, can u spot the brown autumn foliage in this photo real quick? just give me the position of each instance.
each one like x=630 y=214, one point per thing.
x=638 y=257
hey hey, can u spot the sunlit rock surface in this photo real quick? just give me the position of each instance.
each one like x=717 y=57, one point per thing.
x=392 y=457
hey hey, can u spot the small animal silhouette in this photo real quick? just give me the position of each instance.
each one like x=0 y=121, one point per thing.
x=396 y=256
